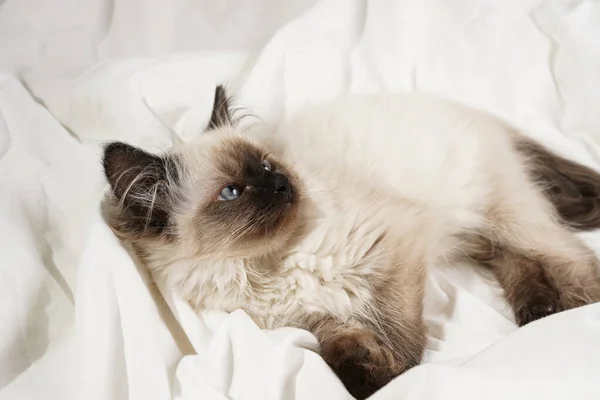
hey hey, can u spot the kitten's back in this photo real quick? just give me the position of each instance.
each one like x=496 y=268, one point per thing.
x=432 y=151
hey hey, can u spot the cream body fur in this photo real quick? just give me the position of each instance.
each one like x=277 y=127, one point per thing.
x=420 y=169
x=385 y=185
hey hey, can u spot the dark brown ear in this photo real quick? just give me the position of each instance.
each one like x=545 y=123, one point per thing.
x=142 y=185
x=573 y=189
x=220 y=114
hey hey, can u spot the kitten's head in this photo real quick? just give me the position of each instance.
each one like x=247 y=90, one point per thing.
x=221 y=196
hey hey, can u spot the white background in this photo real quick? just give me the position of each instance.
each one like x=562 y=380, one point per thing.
x=79 y=321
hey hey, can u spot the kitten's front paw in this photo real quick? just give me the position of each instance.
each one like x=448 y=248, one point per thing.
x=361 y=363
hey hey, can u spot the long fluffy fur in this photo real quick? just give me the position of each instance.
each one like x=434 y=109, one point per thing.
x=386 y=186
x=573 y=189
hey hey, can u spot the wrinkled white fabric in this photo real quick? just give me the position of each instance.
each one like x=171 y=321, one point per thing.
x=80 y=321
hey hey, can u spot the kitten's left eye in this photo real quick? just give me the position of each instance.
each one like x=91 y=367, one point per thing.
x=266 y=165
x=229 y=193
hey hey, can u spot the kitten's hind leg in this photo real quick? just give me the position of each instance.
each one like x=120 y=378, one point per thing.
x=542 y=266
x=528 y=287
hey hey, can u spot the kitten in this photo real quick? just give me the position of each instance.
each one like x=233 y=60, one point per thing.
x=329 y=223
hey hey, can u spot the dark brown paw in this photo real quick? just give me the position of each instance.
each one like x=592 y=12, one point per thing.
x=534 y=311
x=359 y=378
x=534 y=295
x=361 y=363
x=536 y=300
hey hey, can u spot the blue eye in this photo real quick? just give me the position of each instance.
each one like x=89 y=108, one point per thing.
x=266 y=165
x=230 y=193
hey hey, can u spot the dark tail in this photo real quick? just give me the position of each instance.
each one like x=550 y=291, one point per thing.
x=574 y=189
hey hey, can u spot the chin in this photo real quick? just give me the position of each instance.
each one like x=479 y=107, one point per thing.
x=275 y=234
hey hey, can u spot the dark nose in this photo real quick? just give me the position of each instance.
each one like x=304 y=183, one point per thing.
x=282 y=184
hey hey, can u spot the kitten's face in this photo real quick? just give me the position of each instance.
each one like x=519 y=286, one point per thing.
x=245 y=201
x=220 y=197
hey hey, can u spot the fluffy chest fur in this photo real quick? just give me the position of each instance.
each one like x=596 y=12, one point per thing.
x=409 y=170
x=330 y=223
x=327 y=272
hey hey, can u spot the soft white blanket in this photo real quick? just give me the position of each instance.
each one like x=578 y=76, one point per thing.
x=80 y=321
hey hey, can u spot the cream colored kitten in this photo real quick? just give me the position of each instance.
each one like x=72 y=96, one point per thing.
x=328 y=221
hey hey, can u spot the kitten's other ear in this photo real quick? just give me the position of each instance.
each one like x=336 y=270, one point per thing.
x=142 y=184
x=220 y=114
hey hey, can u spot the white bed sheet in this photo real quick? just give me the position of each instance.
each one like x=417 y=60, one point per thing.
x=80 y=321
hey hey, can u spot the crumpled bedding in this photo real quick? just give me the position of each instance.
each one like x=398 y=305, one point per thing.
x=80 y=320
